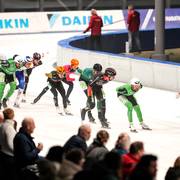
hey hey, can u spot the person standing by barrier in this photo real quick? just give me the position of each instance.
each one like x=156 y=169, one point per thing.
x=133 y=23
x=95 y=25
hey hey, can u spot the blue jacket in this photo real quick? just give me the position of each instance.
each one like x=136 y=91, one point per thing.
x=25 y=151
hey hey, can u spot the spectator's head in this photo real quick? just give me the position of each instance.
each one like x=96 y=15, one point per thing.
x=177 y=162
x=55 y=153
x=102 y=136
x=93 y=12
x=76 y=156
x=28 y=125
x=137 y=149
x=113 y=162
x=123 y=141
x=130 y=7
x=8 y=113
x=146 y=168
x=84 y=131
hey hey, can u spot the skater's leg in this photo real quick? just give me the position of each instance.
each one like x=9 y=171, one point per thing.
x=69 y=90
x=41 y=94
x=138 y=112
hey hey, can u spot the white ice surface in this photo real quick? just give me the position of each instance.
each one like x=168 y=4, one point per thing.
x=161 y=110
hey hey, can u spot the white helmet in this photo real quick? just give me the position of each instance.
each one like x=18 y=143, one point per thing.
x=18 y=59
x=28 y=59
x=135 y=81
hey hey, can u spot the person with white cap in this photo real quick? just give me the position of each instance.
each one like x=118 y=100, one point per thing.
x=125 y=94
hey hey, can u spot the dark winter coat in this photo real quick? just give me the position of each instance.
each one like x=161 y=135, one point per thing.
x=95 y=152
x=25 y=151
x=75 y=142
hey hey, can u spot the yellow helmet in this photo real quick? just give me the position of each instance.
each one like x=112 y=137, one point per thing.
x=60 y=69
x=74 y=62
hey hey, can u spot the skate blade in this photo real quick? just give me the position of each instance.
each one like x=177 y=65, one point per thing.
x=69 y=114
x=106 y=127
x=134 y=131
x=149 y=129
x=61 y=114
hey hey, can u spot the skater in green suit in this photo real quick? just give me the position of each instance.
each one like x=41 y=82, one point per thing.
x=125 y=94
x=7 y=76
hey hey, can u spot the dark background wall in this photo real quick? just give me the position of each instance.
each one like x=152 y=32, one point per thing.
x=54 y=5
x=115 y=42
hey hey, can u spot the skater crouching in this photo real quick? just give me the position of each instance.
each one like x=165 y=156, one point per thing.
x=125 y=94
x=54 y=79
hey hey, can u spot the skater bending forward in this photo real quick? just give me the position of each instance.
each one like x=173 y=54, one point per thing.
x=125 y=94
x=54 y=79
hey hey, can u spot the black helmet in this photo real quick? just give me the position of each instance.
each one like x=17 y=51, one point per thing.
x=110 y=71
x=97 y=67
x=36 y=56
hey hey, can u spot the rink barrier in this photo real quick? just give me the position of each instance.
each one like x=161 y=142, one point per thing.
x=153 y=73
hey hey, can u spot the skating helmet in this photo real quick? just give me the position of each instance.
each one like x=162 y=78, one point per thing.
x=28 y=59
x=135 y=81
x=36 y=56
x=74 y=62
x=110 y=71
x=60 y=69
x=18 y=59
x=97 y=67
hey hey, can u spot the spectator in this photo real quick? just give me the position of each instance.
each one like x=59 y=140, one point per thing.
x=107 y=169
x=133 y=23
x=47 y=170
x=7 y=134
x=79 y=140
x=145 y=169
x=97 y=150
x=173 y=173
x=130 y=160
x=72 y=164
x=122 y=144
x=25 y=150
x=95 y=25
x=55 y=155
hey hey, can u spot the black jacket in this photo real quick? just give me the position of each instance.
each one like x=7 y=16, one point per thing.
x=75 y=142
x=25 y=151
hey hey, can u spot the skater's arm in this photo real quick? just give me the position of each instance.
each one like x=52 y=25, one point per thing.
x=121 y=91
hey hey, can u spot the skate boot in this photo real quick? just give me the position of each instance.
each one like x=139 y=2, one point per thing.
x=23 y=99
x=67 y=112
x=132 y=128
x=4 y=103
x=105 y=125
x=60 y=111
x=145 y=127
x=83 y=114
x=91 y=118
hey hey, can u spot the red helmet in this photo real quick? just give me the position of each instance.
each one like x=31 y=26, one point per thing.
x=74 y=62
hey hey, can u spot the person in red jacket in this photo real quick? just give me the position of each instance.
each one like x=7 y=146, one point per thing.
x=133 y=23
x=95 y=25
x=130 y=159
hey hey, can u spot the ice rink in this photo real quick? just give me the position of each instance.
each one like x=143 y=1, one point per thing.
x=161 y=110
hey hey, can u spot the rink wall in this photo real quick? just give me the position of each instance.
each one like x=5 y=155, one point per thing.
x=153 y=73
